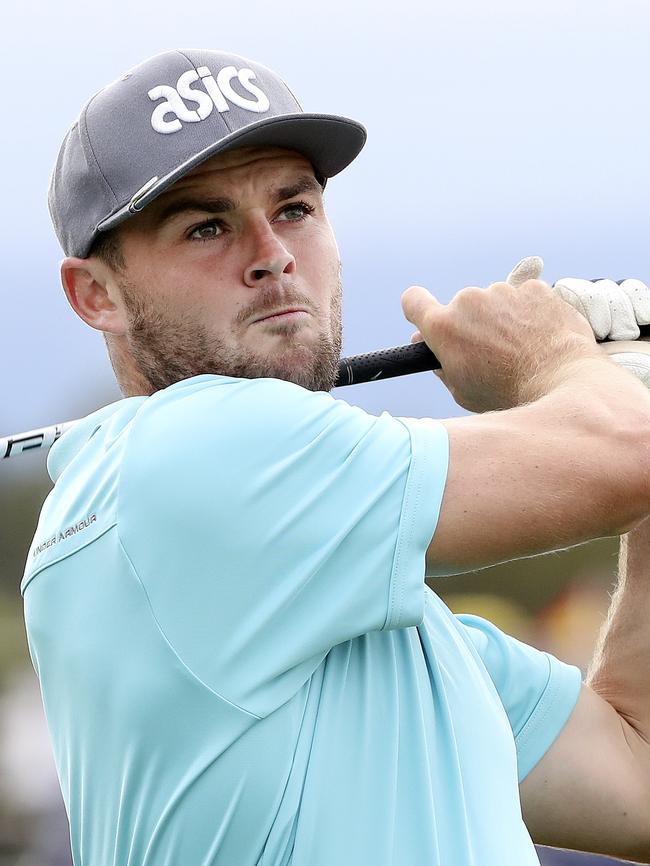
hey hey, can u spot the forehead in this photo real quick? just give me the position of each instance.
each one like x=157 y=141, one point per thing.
x=243 y=164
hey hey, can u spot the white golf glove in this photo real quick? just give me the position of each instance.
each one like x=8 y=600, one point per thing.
x=529 y=268
x=614 y=312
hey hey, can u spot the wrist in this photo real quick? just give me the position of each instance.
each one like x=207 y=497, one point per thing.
x=577 y=360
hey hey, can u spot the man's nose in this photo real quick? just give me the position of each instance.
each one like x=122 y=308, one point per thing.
x=270 y=257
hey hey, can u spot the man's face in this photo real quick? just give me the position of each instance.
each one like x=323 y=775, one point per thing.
x=241 y=237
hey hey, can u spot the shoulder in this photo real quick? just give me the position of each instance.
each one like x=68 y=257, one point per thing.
x=219 y=404
x=206 y=412
x=219 y=430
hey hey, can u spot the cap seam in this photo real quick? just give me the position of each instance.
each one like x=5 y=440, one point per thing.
x=86 y=133
x=224 y=117
x=291 y=94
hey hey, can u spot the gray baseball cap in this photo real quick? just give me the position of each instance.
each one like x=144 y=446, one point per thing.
x=139 y=135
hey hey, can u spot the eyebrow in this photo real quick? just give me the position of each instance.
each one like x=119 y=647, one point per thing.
x=194 y=203
x=306 y=183
x=207 y=204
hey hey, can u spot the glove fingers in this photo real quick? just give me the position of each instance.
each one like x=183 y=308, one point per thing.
x=624 y=326
x=639 y=295
x=592 y=304
x=529 y=268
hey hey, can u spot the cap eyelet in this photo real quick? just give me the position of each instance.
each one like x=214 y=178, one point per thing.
x=141 y=193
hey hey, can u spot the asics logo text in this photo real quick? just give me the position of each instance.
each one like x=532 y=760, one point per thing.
x=167 y=115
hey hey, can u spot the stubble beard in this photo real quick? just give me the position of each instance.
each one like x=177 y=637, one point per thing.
x=168 y=349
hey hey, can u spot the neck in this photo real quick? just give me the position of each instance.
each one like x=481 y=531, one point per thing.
x=130 y=380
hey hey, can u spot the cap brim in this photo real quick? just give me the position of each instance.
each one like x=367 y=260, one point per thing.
x=329 y=142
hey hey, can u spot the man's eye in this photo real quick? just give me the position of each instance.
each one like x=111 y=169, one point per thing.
x=206 y=231
x=296 y=211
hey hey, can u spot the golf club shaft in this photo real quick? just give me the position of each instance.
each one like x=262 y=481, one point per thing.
x=370 y=367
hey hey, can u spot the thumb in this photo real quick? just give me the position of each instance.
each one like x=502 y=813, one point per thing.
x=529 y=268
x=416 y=302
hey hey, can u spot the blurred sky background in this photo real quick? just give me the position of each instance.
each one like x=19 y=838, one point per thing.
x=496 y=130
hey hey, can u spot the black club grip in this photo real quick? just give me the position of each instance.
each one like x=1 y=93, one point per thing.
x=386 y=364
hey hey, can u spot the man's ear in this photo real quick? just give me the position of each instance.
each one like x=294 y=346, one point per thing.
x=92 y=292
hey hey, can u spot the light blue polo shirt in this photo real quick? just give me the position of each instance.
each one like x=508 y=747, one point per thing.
x=239 y=660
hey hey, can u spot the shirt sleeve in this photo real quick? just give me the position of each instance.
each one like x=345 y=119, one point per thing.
x=267 y=524
x=537 y=690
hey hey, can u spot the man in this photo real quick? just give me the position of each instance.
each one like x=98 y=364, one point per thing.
x=225 y=598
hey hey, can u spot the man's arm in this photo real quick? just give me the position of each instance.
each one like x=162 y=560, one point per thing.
x=591 y=790
x=564 y=469
x=566 y=461
x=553 y=471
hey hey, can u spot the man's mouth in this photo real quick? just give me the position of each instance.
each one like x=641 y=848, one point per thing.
x=289 y=315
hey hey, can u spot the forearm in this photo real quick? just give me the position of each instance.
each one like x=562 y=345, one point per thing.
x=620 y=669
x=568 y=467
x=606 y=413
